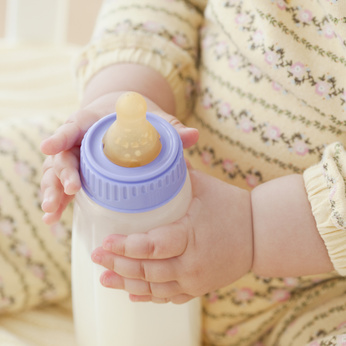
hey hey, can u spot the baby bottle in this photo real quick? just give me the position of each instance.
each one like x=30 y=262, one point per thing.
x=134 y=178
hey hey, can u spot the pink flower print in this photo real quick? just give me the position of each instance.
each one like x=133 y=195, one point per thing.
x=207 y=157
x=252 y=180
x=280 y=295
x=38 y=271
x=328 y=31
x=221 y=48
x=207 y=41
x=242 y=19
x=291 y=282
x=6 y=227
x=281 y=4
x=244 y=294
x=276 y=86
x=152 y=26
x=232 y=331
x=206 y=101
x=342 y=325
x=224 y=109
x=305 y=16
x=6 y=145
x=271 y=57
x=179 y=40
x=256 y=72
x=300 y=147
x=213 y=297
x=228 y=165
x=246 y=125
x=273 y=132
x=23 y=250
x=258 y=36
x=297 y=69
x=234 y=61
x=122 y=27
x=322 y=88
x=23 y=169
x=341 y=340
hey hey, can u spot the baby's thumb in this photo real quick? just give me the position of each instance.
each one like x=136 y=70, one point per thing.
x=189 y=135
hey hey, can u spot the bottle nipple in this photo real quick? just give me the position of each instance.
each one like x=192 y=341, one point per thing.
x=131 y=141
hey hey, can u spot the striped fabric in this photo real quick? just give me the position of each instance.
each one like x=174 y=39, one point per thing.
x=37 y=93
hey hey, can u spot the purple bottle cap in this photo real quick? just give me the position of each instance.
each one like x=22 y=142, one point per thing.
x=132 y=190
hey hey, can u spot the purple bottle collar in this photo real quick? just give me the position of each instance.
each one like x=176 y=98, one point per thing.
x=132 y=190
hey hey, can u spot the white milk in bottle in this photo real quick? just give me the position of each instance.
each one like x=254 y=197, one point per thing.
x=134 y=178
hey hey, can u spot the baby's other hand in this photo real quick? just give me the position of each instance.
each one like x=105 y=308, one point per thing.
x=207 y=249
x=61 y=181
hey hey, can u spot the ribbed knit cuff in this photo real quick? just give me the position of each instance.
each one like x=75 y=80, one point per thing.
x=325 y=185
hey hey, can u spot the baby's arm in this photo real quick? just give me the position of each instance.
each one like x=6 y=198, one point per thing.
x=218 y=241
x=286 y=240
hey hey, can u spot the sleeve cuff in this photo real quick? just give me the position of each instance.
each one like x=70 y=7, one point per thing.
x=325 y=185
x=175 y=65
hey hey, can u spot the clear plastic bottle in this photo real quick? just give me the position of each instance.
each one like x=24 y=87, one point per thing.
x=116 y=199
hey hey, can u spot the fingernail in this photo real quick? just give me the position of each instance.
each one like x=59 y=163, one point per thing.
x=105 y=280
x=96 y=258
x=188 y=128
x=107 y=245
x=44 y=202
x=68 y=187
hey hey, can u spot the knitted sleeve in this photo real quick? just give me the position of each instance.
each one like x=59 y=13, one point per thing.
x=326 y=187
x=160 y=34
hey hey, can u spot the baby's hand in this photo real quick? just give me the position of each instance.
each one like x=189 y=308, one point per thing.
x=61 y=181
x=207 y=249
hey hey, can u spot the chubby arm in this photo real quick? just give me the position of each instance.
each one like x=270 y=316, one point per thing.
x=134 y=77
x=287 y=242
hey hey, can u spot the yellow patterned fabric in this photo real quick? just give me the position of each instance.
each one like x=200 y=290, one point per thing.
x=264 y=82
x=37 y=94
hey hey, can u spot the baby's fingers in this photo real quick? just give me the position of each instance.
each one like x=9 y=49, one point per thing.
x=69 y=134
x=160 y=243
x=179 y=299
x=147 y=270
x=52 y=191
x=137 y=287
x=51 y=218
x=66 y=166
x=54 y=199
